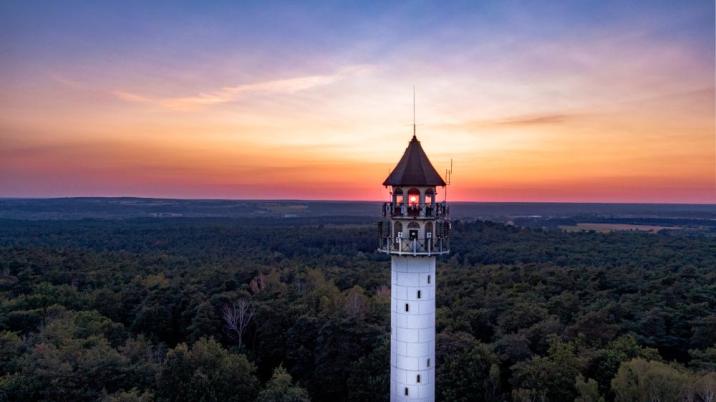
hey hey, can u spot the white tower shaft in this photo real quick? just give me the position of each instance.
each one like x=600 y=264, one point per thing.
x=412 y=335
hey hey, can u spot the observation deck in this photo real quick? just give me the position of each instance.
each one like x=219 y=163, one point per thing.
x=395 y=210
x=414 y=247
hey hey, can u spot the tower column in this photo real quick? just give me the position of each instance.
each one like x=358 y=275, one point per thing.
x=414 y=240
x=412 y=336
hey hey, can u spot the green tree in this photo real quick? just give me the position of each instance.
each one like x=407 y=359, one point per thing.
x=11 y=349
x=281 y=389
x=552 y=374
x=323 y=295
x=466 y=370
x=133 y=395
x=158 y=316
x=588 y=390
x=607 y=361
x=369 y=378
x=70 y=360
x=340 y=343
x=142 y=360
x=528 y=395
x=703 y=360
x=704 y=331
x=207 y=372
x=205 y=322
x=640 y=380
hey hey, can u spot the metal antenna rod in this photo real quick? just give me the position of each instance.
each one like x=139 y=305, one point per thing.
x=446 y=185
x=448 y=177
x=413 y=110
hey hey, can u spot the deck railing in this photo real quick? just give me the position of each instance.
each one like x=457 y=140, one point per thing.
x=431 y=211
x=403 y=246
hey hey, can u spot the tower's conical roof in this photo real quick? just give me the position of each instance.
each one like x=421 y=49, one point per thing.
x=414 y=169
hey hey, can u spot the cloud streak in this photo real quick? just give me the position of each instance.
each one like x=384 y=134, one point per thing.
x=232 y=93
x=526 y=122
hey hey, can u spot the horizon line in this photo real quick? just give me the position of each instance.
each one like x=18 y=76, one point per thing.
x=2 y=198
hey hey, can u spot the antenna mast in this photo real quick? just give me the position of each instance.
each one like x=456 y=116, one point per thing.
x=413 y=110
x=448 y=178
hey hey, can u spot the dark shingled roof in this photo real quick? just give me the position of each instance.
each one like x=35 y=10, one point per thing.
x=414 y=169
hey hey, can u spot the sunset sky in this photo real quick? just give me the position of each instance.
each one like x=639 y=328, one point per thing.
x=534 y=101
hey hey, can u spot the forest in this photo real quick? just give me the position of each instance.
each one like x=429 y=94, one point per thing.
x=271 y=309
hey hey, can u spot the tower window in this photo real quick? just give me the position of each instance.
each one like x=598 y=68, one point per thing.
x=419 y=294
x=407 y=307
x=406 y=391
x=418 y=379
x=428 y=362
x=428 y=278
x=413 y=197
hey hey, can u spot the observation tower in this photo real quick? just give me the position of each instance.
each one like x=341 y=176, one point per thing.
x=414 y=230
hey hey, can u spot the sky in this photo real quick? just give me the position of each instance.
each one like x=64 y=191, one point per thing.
x=580 y=101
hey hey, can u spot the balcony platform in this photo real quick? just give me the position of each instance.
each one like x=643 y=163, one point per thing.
x=415 y=247
x=403 y=211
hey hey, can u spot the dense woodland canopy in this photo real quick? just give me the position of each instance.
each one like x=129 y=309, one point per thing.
x=297 y=310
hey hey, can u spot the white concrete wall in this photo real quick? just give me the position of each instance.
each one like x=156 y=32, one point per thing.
x=412 y=335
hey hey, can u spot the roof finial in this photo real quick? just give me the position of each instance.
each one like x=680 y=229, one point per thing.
x=414 y=137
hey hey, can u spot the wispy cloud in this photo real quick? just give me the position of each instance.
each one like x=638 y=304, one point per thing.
x=535 y=120
x=531 y=120
x=231 y=93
